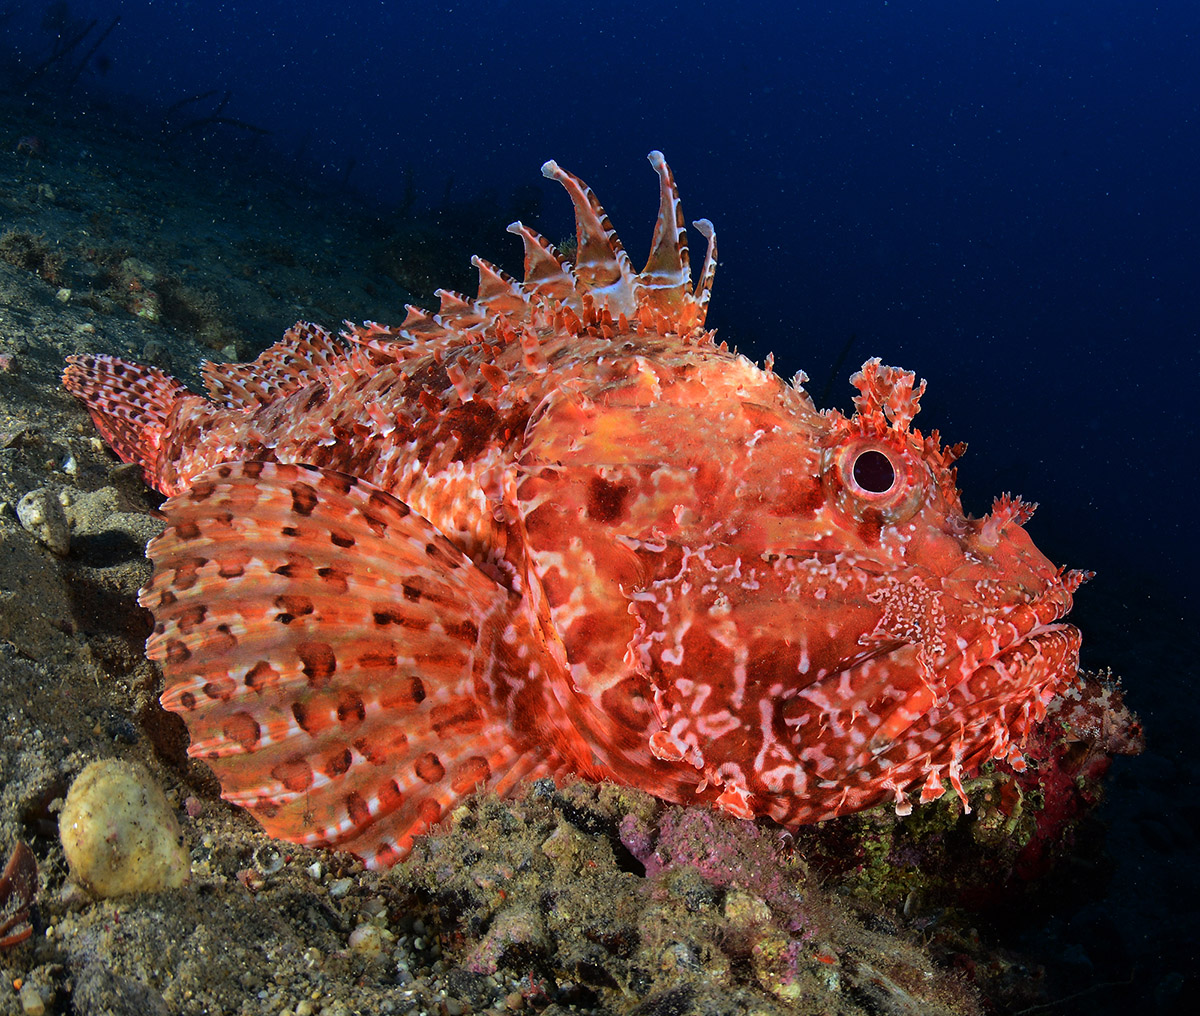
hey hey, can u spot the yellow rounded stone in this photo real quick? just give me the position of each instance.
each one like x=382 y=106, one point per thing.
x=119 y=834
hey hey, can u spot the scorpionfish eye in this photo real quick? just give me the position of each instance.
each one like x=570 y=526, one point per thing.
x=872 y=477
x=873 y=471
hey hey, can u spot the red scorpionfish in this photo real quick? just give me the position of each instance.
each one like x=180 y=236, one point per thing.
x=558 y=529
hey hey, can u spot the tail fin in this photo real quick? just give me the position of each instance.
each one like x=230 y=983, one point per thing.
x=129 y=403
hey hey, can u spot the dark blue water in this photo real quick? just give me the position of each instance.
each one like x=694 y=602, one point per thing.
x=1000 y=196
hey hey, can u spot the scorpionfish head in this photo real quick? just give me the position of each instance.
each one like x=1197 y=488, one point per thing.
x=835 y=631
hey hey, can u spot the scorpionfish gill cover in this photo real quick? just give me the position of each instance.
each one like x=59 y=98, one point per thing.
x=558 y=529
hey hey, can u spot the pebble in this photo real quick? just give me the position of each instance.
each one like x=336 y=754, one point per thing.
x=119 y=834
x=366 y=940
x=32 y=1003
x=44 y=517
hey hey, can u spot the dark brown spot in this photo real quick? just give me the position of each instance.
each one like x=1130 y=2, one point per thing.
x=403 y=692
x=187 y=530
x=252 y=469
x=201 y=491
x=379 y=659
x=339 y=482
x=376 y=754
x=377 y=525
x=262 y=675
x=335 y=577
x=317 y=661
x=606 y=502
x=167 y=599
x=295 y=774
x=429 y=768
x=411 y=592
x=386 y=503
x=470 y=775
x=243 y=729
x=357 y=809
x=305 y=719
x=465 y=631
x=187 y=700
x=224 y=471
x=221 y=688
x=290 y=531
x=317 y=397
x=220 y=640
x=454 y=717
x=294 y=604
x=390 y=796
x=189 y=617
x=430 y=811
x=389 y=614
x=186 y=572
x=343 y=540
x=350 y=707
x=337 y=763
x=304 y=499
x=177 y=652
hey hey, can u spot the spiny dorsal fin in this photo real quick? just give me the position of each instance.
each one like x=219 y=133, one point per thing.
x=547 y=273
x=457 y=312
x=499 y=292
x=600 y=260
x=707 y=273
x=665 y=281
x=306 y=354
x=660 y=296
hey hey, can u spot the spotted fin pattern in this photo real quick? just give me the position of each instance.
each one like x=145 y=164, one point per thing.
x=129 y=403
x=310 y=620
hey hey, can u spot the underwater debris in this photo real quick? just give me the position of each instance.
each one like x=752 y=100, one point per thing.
x=18 y=886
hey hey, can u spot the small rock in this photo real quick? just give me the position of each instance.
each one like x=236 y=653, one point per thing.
x=32 y=1003
x=743 y=910
x=42 y=514
x=366 y=940
x=119 y=834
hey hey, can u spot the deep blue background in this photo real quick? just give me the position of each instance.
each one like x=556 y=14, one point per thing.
x=1000 y=196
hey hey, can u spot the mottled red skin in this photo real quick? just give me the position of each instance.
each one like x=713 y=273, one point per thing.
x=649 y=561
